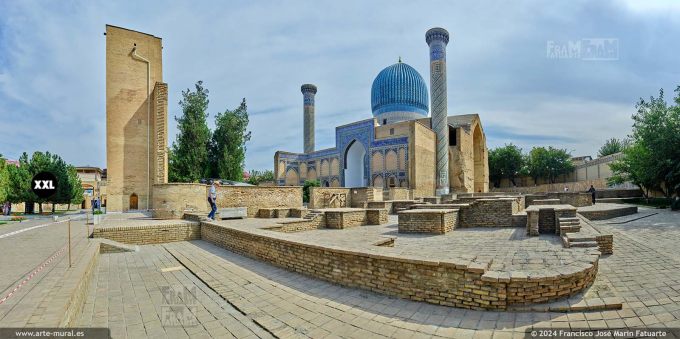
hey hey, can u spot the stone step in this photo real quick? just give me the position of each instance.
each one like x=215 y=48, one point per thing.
x=565 y=219
x=111 y=246
x=569 y=229
x=580 y=239
x=583 y=244
x=569 y=222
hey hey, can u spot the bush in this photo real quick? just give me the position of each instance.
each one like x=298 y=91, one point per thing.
x=306 y=186
x=97 y=212
x=19 y=219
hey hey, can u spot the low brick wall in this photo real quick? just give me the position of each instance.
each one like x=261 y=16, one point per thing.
x=150 y=234
x=542 y=288
x=576 y=199
x=275 y=212
x=298 y=212
x=345 y=219
x=543 y=218
x=359 y=196
x=457 y=282
x=519 y=220
x=618 y=193
x=488 y=213
x=605 y=243
x=256 y=197
x=546 y=202
x=399 y=193
x=609 y=213
x=398 y=205
x=318 y=222
x=386 y=205
x=172 y=201
x=377 y=216
x=434 y=221
x=329 y=197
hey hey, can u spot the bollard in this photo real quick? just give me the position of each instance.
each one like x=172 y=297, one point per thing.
x=69 y=243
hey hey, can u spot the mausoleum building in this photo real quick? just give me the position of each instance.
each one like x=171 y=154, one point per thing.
x=409 y=136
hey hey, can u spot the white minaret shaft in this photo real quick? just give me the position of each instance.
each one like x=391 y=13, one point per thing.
x=437 y=38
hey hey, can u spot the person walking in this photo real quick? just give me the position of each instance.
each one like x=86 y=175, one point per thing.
x=591 y=190
x=212 y=197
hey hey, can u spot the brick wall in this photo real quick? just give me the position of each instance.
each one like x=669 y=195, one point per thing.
x=256 y=197
x=546 y=221
x=399 y=193
x=609 y=213
x=320 y=197
x=171 y=201
x=345 y=219
x=575 y=199
x=427 y=221
x=457 y=282
x=361 y=195
x=488 y=213
x=376 y=216
x=152 y=234
x=542 y=288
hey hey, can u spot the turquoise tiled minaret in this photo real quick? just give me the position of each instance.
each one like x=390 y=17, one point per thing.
x=437 y=38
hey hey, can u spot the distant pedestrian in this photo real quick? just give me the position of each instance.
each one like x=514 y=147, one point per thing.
x=212 y=200
x=591 y=190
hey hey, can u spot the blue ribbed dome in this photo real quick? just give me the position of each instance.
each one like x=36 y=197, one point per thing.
x=399 y=88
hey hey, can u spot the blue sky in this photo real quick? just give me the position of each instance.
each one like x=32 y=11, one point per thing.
x=52 y=74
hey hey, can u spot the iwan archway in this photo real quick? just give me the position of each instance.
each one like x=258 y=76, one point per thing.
x=354 y=165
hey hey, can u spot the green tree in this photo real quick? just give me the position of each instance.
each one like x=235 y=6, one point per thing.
x=306 y=186
x=612 y=146
x=505 y=162
x=188 y=161
x=19 y=188
x=653 y=159
x=548 y=163
x=228 y=144
x=76 y=196
x=4 y=180
x=257 y=177
x=633 y=168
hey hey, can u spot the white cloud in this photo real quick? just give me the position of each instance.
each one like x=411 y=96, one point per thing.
x=52 y=75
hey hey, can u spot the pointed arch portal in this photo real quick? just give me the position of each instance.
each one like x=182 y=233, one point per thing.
x=354 y=165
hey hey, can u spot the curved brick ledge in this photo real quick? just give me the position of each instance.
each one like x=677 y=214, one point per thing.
x=457 y=282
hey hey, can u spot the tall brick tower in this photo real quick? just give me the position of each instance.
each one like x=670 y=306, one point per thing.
x=308 y=92
x=136 y=118
x=437 y=38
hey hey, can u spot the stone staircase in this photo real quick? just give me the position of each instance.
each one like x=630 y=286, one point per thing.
x=568 y=225
x=312 y=215
x=570 y=232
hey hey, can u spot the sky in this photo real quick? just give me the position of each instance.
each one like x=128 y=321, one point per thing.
x=502 y=63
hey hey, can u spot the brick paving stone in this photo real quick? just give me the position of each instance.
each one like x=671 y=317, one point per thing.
x=130 y=293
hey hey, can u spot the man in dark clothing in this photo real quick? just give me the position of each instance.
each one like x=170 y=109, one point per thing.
x=592 y=192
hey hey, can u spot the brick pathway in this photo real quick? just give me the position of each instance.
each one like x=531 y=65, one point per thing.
x=24 y=252
x=135 y=298
x=644 y=271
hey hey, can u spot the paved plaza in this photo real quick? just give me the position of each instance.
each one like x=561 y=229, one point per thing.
x=231 y=295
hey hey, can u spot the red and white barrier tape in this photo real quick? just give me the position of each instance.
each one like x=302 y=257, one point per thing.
x=30 y=276
x=30 y=228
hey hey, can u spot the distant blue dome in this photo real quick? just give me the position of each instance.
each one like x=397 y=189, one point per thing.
x=399 y=93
